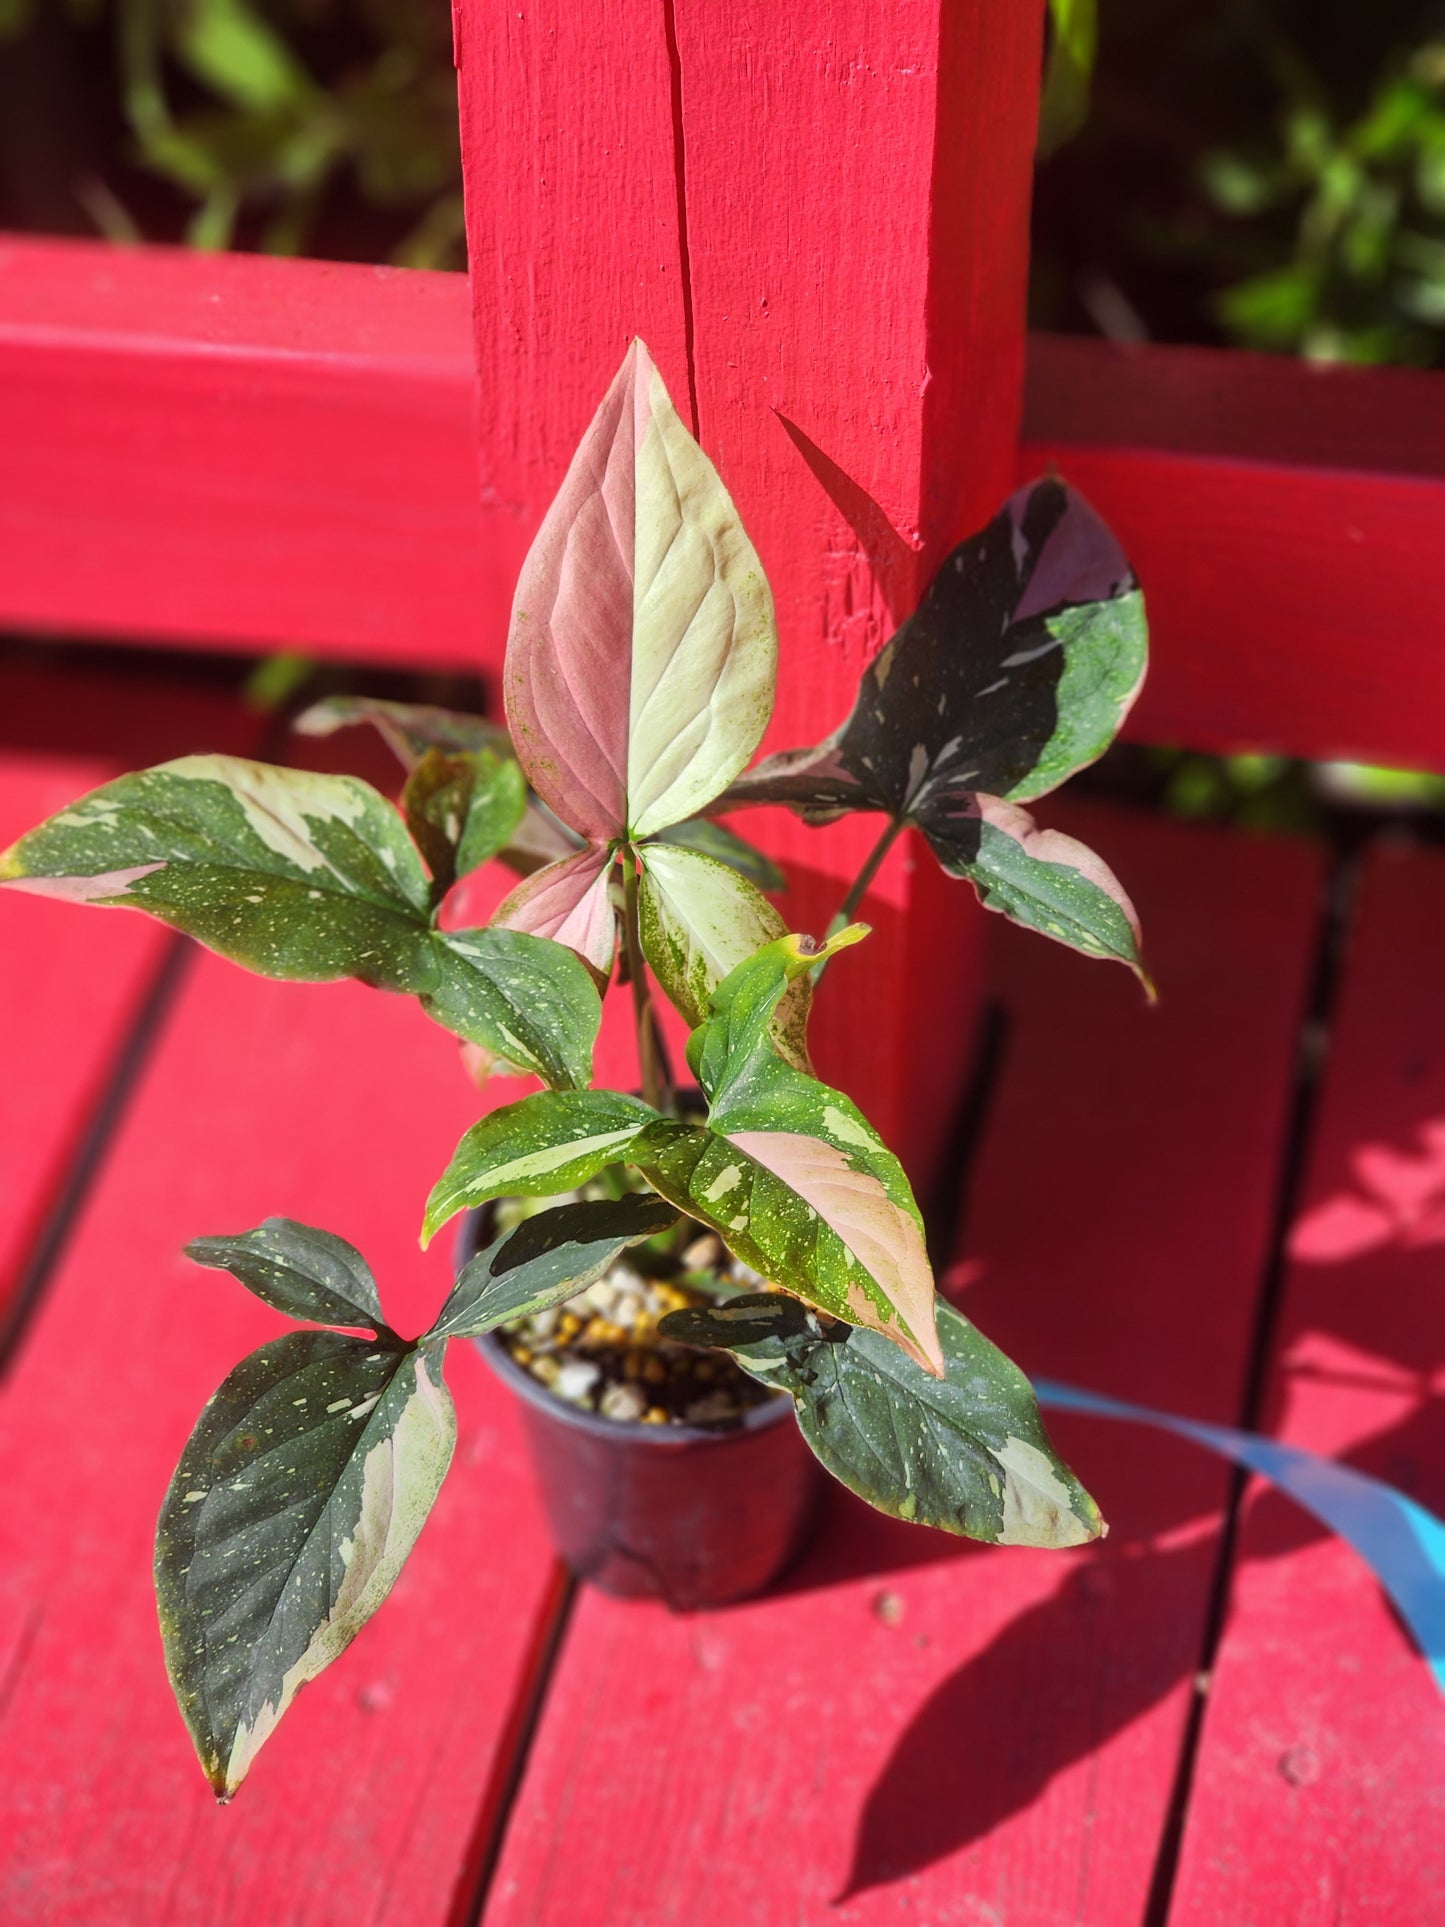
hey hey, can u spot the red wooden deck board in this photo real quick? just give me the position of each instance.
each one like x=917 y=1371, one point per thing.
x=912 y=1730
x=339 y=1106
x=1319 y=1794
x=70 y=1005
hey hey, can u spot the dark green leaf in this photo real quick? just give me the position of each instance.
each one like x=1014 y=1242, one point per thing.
x=299 y=1270
x=967 y=1453
x=309 y=878
x=1017 y=669
x=550 y=1142
x=749 y=1319
x=297 y=1499
x=461 y=809
x=551 y=1256
x=528 y=1001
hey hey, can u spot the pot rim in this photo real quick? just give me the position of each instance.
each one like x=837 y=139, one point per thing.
x=755 y=1418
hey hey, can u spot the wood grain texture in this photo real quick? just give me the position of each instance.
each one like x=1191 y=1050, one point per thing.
x=240 y=451
x=71 y=1004
x=1319 y=1794
x=338 y=1106
x=910 y=1729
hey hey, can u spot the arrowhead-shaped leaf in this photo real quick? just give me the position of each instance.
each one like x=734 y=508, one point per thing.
x=547 y=1258
x=1041 y=878
x=299 y=1270
x=570 y=902
x=309 y=878
x=642 y=654
x=294 y=875
x=1016 y=670
x=550 y=1142
x=967 y=1453
x=297 y=1499
x=699 y=920
x=797 y=1212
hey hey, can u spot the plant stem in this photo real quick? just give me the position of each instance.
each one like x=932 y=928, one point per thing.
x=649 y=1054
x=848 y=908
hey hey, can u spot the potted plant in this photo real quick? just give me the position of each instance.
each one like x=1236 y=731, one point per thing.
x=639 y=681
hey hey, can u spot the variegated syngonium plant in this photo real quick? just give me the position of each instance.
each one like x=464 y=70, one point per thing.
x=639 y=680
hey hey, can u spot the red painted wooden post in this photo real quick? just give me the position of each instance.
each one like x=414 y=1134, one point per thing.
x=817 y=217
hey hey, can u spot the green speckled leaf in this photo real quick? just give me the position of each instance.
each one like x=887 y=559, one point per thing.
x=789 y=1172
x=295 y=875
x=547 y=1258
x=297 y=1499
x=299 y=1270
x=550 y=1142
x=795 y=1210
x=529 y=1002
x=309 y=878
x=967 y=1453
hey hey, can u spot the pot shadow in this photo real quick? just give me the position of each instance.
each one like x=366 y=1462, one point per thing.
x=1052 y=1686
x=1062 y=1678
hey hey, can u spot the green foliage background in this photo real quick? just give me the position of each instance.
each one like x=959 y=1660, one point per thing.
x=1269 y=173
x=296 y=126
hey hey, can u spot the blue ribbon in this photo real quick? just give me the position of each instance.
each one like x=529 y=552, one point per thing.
x=1401 y=1543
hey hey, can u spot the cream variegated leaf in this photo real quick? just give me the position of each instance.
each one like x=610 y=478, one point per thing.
x=796 y=1211
x=296 y=1502
x=699 y=919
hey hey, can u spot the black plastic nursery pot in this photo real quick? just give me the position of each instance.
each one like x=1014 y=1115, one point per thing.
x=695 y=1515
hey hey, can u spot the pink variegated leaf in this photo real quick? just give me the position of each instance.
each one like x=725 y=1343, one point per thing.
x=803 y=1213
x=642 y=654
x=568 y=902
x=1041 y=878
